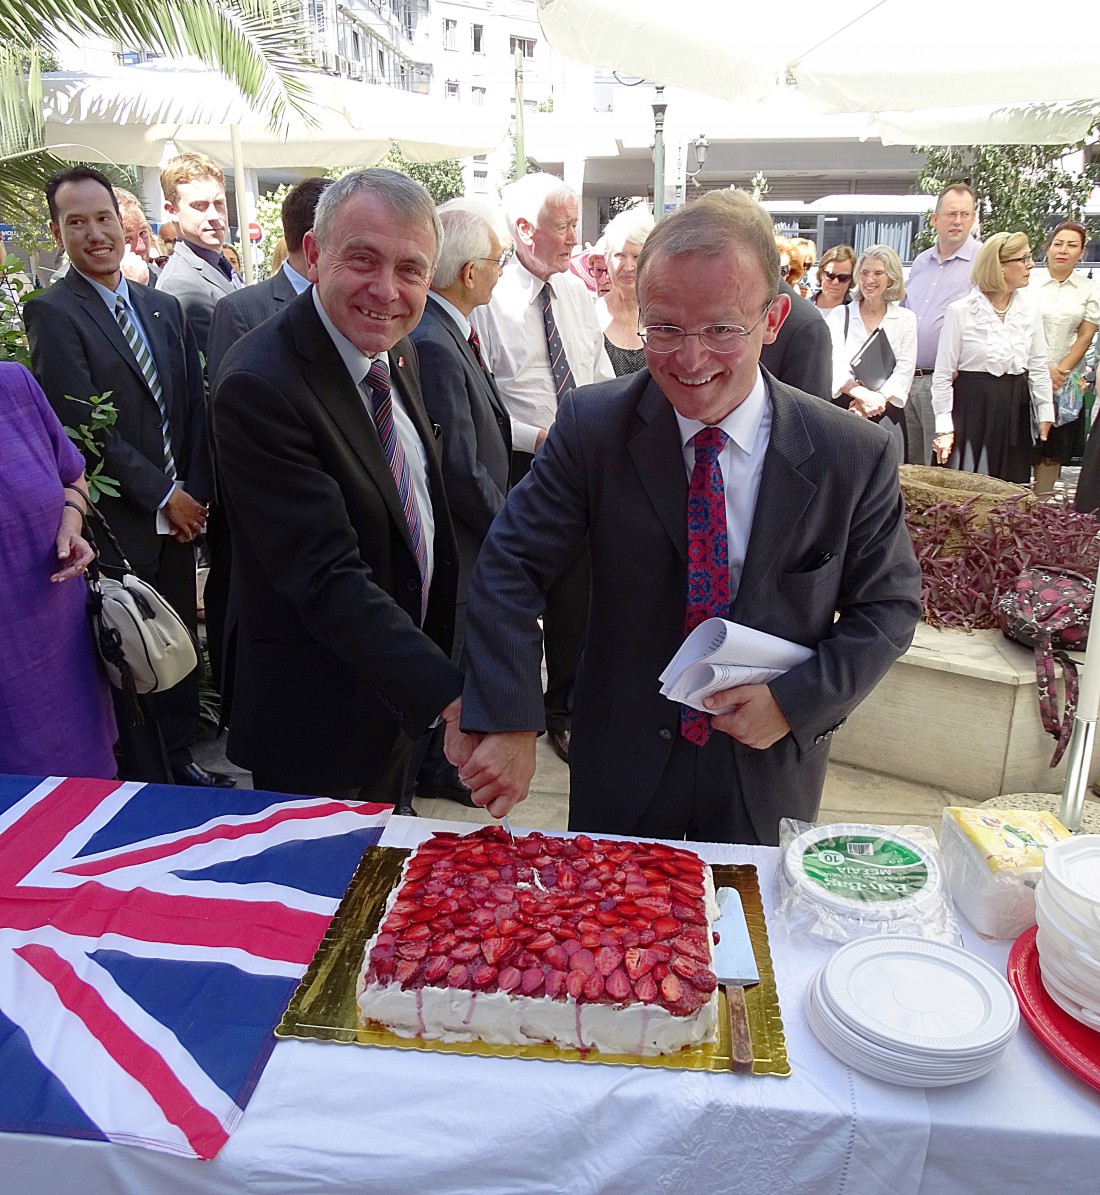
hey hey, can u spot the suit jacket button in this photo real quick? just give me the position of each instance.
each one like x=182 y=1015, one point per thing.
x=665 y=733
x=412 y=586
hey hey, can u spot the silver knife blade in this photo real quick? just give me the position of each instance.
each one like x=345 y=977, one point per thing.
x=508 y=826
x=734 y=961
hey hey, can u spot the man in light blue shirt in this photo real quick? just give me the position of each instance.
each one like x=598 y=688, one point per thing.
x=939 y=276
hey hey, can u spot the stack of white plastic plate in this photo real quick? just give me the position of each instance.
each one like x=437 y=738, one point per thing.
x=1067 y=912
x=863 y=872
x=912 y=1011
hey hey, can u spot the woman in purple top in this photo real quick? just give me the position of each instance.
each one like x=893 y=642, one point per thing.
x=55 y=703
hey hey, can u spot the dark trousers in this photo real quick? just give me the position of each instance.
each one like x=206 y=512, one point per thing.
x=384 y=788
x=563 y=623
x=172 y=717
x=698 y=797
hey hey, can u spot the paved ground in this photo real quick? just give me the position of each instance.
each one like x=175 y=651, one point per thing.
x=851 y=795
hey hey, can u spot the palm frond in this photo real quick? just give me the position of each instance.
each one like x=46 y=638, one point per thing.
x=257 y=44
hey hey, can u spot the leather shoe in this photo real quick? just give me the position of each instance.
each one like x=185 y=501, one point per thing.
x=200 y=777
x=559 y=743
x=458 y=793
x=405 y=808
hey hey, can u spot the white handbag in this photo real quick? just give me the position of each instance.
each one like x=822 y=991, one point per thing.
x=144 y=644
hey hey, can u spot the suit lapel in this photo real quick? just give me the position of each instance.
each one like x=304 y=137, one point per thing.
x=489 y=386
x=328 y=378
x=210 y=273
x=785 y=492
x=658 y=456
x=283 y=290
x=97 y=311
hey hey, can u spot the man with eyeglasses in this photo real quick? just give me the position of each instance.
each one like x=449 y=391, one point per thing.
x=707 y=488
x=937 y=278
x=541 y=339
x=462 y=399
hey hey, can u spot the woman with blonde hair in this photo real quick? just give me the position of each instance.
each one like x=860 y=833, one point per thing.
x=991 y=389
x=617 y=311
x=881 y=287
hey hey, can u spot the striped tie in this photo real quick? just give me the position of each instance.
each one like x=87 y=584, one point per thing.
x=149 y=373
x=475 y=348
x=559 y=362
x=378 y=380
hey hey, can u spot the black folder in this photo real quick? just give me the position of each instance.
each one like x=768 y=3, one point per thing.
x=874 y=362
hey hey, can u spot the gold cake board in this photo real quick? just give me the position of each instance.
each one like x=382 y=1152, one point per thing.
x=323 y=1007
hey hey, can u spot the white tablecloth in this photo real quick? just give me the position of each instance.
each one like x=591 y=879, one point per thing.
x=332 y=1119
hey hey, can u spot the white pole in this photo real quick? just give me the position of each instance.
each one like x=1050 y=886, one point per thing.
x=1079 y=750
x=244 y=212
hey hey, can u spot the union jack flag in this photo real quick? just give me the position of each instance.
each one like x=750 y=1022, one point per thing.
x=150 y=939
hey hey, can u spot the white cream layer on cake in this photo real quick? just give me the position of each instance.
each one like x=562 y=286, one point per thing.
x=616 y=955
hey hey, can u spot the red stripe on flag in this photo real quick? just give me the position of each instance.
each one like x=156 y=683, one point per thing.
x=222 y=833
x=263 y=928
x=29 y=840
x=140 y=1061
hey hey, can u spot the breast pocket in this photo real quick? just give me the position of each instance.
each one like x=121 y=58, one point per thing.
x=827 y=574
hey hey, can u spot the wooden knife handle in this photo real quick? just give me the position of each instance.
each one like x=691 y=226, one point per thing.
x=740 y=1042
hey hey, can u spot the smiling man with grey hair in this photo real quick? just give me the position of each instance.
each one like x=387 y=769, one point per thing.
x=344 y=562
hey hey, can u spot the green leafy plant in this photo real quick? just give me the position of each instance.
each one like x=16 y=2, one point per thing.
x=90 y=437
x=1017 y=187
x=15 y=289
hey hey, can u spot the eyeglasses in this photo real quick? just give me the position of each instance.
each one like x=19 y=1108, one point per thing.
x=836 y=277
x=719 y=338
x=503 y=259
x=1026 y=257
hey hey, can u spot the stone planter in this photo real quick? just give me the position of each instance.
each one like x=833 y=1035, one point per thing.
x=958 y=710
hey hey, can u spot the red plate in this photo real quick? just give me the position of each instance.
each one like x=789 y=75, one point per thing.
x=1076 y=1046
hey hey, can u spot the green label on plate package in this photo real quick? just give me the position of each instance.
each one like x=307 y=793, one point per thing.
x=865 y=869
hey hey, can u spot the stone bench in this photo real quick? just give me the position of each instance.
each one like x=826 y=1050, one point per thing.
x=960 y=711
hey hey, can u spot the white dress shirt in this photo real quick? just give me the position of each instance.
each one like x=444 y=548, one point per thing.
x=900 y=329
x=358 y=363
x=748 y=427
x=300 y=283
x=513 y=344
x=975 y=339
x=1064 y=306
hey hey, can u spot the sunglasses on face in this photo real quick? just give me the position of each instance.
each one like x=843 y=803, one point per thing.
x=837 y=277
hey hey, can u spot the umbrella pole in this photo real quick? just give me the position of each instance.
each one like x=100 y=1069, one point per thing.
x=244 y=215
x=1079 y=749
x=659 y=107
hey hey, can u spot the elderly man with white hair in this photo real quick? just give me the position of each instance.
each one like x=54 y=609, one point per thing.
x=462 y=399
x=541 y=338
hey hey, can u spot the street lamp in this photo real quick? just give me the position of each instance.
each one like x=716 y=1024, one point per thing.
x=702 y=148
x=659 y=107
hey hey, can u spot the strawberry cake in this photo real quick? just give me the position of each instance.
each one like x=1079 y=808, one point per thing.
x=612 y=953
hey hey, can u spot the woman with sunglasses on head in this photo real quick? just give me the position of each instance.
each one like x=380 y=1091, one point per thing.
x=617 y=311
x=1070 y=307
x=991 y=385
x=877 y=304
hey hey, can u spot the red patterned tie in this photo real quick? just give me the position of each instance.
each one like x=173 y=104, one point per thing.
x=378 y=382
x=708 y=571
x=475 y=347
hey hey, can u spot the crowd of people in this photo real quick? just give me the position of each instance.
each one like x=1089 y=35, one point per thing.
x=438 y=447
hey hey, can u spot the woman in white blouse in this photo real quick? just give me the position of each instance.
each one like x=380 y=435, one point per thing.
x=881 y=287
x=1070 y=308
x=991 y=384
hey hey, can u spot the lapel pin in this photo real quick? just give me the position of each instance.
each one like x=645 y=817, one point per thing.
x=400 y=362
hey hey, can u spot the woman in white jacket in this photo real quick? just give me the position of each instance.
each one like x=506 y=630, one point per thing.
x=991 y=390
x=877 y=304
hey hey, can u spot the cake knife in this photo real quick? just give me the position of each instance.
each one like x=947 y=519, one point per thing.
x=735 y=966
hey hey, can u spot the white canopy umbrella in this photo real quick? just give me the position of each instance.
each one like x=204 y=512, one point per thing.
x=884 y=58
x=126 y=115
x=129 y=115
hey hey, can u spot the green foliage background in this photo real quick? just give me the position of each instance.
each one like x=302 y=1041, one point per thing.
x=1018 y=187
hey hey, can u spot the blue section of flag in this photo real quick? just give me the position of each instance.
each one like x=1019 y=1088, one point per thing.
x=31 y=1098
x=168 y=809
x=12 y=790
x=183 y=995
x=320 y=867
